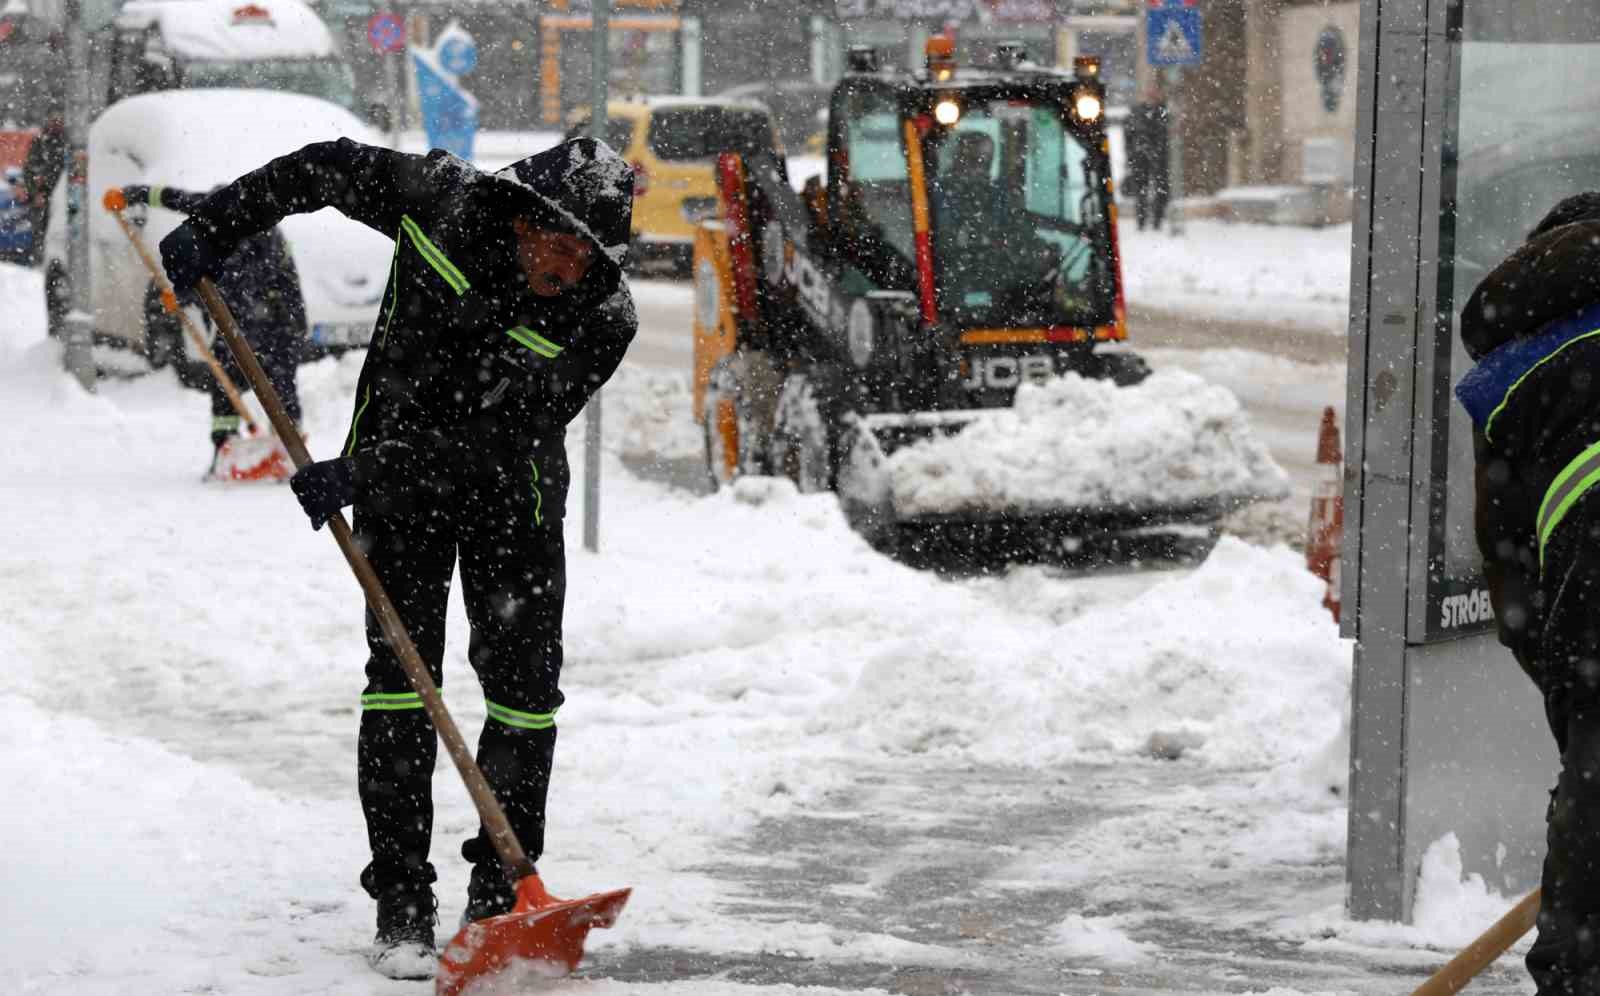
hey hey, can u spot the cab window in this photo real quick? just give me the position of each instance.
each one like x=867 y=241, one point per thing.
x=879 y=184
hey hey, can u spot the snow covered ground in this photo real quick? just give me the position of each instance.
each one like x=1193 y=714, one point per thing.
x=822 y=772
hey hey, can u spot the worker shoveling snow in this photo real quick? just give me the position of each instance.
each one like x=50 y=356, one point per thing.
x=1072 y=445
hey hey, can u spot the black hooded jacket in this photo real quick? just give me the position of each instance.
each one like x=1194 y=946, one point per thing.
x=468 y=371
x=1533 y=326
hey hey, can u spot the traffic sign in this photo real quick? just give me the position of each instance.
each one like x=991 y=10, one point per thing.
x=386 y=32
x=1172 y=35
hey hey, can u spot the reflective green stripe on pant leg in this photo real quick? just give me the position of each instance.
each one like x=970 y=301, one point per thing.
x=521 y=720
x=538 y=496
x=1575 y=479
x=390 y=701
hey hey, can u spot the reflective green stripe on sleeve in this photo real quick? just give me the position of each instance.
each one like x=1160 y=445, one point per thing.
x=534 y=341
x=435 y=257
x=153 y=198
x=521 y=720
x=1575 y=479
x=225 y=423
x=391 y=701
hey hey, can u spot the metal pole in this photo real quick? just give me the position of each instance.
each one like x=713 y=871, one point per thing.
x=601 y=38
x=1175 y=133
x=77 y=354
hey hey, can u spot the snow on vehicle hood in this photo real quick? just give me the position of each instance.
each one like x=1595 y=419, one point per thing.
x=197 y=139
x=234 y=29
x=585 y=187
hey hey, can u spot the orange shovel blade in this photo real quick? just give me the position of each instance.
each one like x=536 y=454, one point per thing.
x=542 y=938
x=253 y=458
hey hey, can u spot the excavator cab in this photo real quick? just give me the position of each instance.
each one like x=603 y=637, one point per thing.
x=987 y=195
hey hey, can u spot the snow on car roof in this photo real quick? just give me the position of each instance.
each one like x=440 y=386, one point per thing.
x=233 y=29
x=197 y=138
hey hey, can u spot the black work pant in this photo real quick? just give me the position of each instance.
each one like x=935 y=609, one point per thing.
x=513 y=580
x=1565 y=959
x=1150 y=203
x=278 y=350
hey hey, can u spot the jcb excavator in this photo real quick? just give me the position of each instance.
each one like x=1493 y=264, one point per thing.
x=962 y=245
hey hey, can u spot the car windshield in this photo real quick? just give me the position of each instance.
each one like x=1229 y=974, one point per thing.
x=680 y=133
x=1019 y=222
x=330 y=79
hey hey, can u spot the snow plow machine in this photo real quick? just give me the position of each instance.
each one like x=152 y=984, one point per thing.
x=925 y=330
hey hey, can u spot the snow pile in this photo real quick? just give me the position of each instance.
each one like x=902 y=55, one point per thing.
x=1073 y=442
x=1266 y=688
x=1098 y=938
x=652 y=410
x=1453 y=908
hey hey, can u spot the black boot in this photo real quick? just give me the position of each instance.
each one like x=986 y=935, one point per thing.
x=489 y=893
x=404 y=947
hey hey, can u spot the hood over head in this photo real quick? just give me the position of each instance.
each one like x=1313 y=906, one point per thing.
x=1553 y=275
x=583 y=187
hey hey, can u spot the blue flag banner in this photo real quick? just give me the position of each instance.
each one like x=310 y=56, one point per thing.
x=449 y=112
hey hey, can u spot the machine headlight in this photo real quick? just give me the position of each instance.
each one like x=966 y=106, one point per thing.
x=947 y=112
x=1087 y=106
x=860 y=332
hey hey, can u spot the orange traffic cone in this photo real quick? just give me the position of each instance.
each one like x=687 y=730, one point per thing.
x=1325 y=531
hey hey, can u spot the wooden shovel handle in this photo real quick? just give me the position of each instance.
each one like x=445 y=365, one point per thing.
x=513 y=859
x=1481 y=953
x=170 y=300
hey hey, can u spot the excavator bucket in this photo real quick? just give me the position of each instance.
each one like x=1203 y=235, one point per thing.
x=542 y=938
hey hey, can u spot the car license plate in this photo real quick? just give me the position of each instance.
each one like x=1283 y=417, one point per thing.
x=340 y=333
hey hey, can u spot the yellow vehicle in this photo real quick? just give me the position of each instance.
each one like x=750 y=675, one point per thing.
x=673 y=144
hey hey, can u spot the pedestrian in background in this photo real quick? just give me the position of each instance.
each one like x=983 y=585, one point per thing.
x=1146 y=136
x=1532 y=327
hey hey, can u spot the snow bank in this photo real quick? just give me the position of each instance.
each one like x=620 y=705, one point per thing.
x=22 y=294
x=1266 y=688
x=1073 y=442
x=1261 y=273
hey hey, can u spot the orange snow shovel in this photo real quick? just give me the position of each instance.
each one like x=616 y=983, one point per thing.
x=542 y=936
x=256 y=457
x=1481 y=953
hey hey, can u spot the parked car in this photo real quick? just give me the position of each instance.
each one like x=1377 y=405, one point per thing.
x=799 y=108
x=16 y=228
x=197 y=139
x=673 y=143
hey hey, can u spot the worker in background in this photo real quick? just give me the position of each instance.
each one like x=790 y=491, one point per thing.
x=262 y=289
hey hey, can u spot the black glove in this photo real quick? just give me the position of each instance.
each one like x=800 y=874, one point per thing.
x=324 y=487
x=188 y=255
x=136 y=193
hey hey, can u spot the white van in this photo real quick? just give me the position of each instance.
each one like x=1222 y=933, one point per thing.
x=277 y=45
